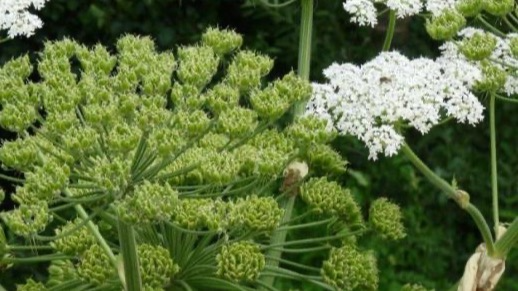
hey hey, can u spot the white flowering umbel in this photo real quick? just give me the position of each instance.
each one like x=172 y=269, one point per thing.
x=365 y=13
x=16 y=18
x=373 y=101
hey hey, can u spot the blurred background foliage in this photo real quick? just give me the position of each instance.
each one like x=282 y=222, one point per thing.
x=440 y=237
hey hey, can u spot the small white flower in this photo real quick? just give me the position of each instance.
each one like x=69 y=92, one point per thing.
x=17 y=20
x=371 y=101
x=436 y=7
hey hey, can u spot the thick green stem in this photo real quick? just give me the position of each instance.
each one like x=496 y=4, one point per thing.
x=494 y=173
x=128 y=249
x=461 y=197
x=304 y=65
x=390 y=31
x=278 y=238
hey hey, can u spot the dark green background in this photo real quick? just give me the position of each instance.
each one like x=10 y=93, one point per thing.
x=440 y=236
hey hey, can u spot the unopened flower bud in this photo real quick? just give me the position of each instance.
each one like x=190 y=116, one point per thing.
x=241 y=261
x=494 y=78
x=349 y=269
x=478 y=47
x=156 y=266
x=222 y=41
x=258 y=214
x=385 y=218
x=446 y=25
x=469 y=8
x=31 y=285
x=498 y=7
x=75 y=243
x=95 y=266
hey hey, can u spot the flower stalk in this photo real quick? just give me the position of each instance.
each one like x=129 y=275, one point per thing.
x=390 y=31
x=494 y=172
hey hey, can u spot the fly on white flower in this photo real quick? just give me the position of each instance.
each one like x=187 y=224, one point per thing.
x=372 y=100
x=16 y=18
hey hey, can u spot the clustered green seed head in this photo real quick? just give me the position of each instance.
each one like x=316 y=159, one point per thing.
x=31 y=285
x=61 y=272
x=28 y=219
x=95 y=266
x=446 y=25
x=76 y=241
x=494 y=78
x=469 y=8
x=156 y=266
x=324 y=159
x=478 y=47
x=349 y=269
x=309 y=130
x=201 y=213
x=330 y=198
x=149 y=203
x=241 y=261
x=257 y=214
x=222 y=41
x=272 y=102
x=386 y=219
x=498 y=7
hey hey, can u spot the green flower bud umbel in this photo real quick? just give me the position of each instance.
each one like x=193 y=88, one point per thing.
x=256 y=214
x=349 y=269
x=76 y=242
x=156 y=266
x=241 y=261
x=494 y=78
x=95 y=266
x=385 y=218
x=328 y=197
x=498 y=7
x=469 y=8
x=478 y=47
x=31 y=285
x=446 y=25
x=222 y=41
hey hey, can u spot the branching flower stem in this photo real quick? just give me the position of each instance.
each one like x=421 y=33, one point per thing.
x=461 y=197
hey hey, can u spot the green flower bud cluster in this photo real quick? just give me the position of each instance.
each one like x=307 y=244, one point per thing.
x=222 y=41
x=241 y=261
x=167 y=141
x=273 y=101
x=60 y=272
x=122 y=138
x=97 y=62
x=494 y=78
x=202 y=213
x=222 y=97
x=78 y=239
x=94 y=266
x=469 y=8
x=256 y=214
x=31 y=285
x=46 y=182
x=324 y=159
x=310 y=130
x=236 y=122
x=385 y=218
x=220 y=167
x=446 y=25
x=246 y=69
x=478 y=47
x=193 y=123
x=498 y=7
x=149 y=203
x=80 y=141
x=198 y=64
x=330 y=198
x=28 y=219
x=213 y=141
x=110 y=175
x=19 y=154
x=349 y=269
x=156 y=266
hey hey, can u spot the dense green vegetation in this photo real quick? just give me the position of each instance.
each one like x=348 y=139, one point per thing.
x=440 y=237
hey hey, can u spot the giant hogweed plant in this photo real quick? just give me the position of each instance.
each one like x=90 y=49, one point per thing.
x=146 y=170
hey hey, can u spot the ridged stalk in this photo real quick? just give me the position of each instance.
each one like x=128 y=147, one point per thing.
x=128 y=249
